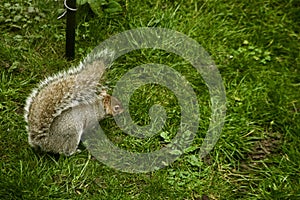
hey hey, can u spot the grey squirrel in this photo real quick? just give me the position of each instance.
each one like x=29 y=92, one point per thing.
x=59 y=110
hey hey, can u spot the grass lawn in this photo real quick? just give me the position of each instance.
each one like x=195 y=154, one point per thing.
x=255 y=45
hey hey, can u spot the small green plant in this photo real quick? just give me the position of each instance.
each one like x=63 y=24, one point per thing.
x=250 y=51
x=17 y=15
x=100 y=6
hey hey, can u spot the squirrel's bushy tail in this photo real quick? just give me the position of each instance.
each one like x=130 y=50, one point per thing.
x=106 y=55
x=88 y=75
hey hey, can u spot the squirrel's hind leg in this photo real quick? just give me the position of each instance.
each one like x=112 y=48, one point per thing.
x=65 y=133
x=71 y=145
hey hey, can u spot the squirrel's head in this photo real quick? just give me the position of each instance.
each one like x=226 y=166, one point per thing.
x=112 y=105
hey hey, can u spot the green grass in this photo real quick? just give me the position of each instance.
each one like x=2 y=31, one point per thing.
x=255 y=45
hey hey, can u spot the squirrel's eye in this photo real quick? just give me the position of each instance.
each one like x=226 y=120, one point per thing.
x=117 y=108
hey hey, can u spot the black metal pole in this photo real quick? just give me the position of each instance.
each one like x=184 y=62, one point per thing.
x=70 y=30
